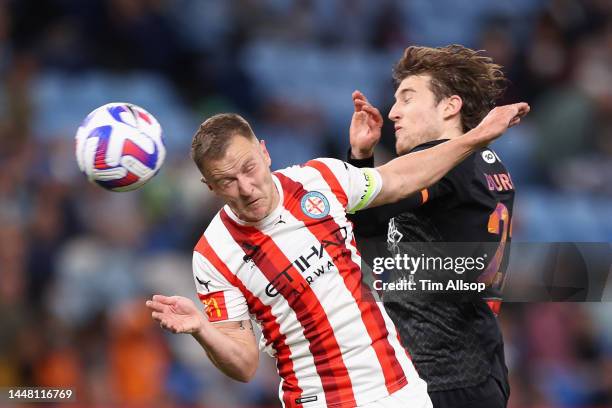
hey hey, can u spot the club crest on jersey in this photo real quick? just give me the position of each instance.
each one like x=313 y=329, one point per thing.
x=315 y=205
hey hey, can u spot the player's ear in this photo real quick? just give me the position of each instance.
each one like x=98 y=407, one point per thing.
x=264 y=151
x=452 y=106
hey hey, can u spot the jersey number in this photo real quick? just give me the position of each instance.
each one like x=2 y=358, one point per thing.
x=499 y=224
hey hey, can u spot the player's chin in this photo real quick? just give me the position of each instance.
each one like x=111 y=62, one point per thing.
x=254 y=213
x=401 y=148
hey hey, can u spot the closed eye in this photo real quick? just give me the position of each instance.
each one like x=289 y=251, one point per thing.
x=225 y=182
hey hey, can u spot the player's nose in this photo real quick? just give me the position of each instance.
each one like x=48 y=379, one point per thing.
x=393 y=113
x=245 y=187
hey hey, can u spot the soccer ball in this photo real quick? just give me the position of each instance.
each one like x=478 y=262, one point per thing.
x=119 y=146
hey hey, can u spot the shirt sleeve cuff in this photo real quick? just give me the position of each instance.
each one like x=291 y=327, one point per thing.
x=373 y=186
x=368 y=162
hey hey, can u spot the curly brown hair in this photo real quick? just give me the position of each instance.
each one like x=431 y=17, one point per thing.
x=456 y=70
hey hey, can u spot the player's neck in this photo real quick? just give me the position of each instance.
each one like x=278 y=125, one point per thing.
x=451 y=133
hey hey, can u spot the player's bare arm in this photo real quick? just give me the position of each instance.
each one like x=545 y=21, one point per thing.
x=231 y=346
x=413 y=172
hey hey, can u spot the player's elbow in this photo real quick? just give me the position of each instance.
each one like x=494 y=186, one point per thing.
x=242 y=367
x=246 y=376
x=248 y=370
x=243 y=378
x=247 y=373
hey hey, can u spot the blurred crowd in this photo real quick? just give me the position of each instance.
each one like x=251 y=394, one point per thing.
x=77 y=262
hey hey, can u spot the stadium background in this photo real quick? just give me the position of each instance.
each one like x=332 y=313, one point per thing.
x=77 y=262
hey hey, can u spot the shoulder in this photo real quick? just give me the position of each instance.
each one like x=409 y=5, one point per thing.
x=484 y=161
x=482 y=172
x=474 y=167
x=322 y=168
x=215 y=251
x=214 y=232
x=487 y=157
x=328 y=166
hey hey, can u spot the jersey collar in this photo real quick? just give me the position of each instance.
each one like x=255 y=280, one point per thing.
x=428 y=144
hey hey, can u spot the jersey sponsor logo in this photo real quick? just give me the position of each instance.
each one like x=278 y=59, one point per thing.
x=216 y=309
x=310 y=264
x=315 y=205
x=499 y=182
x=488 y=156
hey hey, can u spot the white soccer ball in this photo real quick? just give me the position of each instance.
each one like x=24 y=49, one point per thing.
x=119 y=146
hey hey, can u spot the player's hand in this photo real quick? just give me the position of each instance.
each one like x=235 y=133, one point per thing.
x=176 y=313
x=365 y=127
x=498 y=121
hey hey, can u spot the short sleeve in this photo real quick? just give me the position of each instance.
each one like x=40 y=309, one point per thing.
x=361 y=185
x=222 y=300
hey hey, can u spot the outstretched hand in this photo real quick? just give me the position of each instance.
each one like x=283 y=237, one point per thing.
x=365 y=127
x=176 y=313
x=498 y=120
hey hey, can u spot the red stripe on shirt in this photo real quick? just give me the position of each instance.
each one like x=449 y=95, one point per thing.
x=330 y=179
x=270 y=327
x=328 y=232
x=399 y=340
x=288 y=282
x=354 y=244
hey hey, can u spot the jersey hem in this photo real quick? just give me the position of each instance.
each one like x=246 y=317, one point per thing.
x=366 y=398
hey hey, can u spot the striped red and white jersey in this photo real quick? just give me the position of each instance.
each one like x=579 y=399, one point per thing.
x=297 y=274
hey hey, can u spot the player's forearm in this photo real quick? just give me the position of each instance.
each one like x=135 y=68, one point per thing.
x=236 y=359
x=413 y=172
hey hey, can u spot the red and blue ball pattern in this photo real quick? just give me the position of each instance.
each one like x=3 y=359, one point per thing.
x=119 y=114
